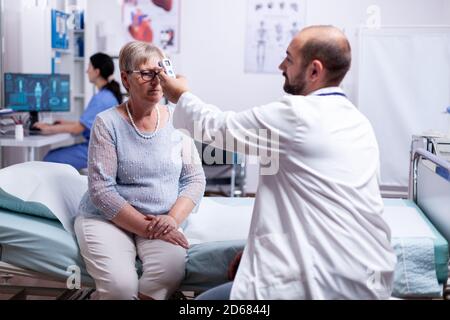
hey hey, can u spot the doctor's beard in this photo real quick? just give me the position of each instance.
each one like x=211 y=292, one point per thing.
x=297 y=89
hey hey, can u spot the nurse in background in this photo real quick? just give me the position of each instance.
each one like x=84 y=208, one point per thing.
x=101 y=68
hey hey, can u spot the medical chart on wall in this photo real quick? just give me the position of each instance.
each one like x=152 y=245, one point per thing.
x=153 y=21
x=271 y=25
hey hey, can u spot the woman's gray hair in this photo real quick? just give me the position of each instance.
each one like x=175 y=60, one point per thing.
x=136 y=53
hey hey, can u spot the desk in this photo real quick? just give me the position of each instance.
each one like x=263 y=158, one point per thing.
x=33 y=142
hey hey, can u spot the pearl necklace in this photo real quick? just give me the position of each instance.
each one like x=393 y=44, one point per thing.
x=145 y=136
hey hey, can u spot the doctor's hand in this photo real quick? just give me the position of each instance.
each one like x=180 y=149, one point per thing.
x=161 y=225
x=234 y=265
x=173 y=88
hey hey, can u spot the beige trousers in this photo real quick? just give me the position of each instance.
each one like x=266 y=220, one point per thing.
x=110 y=255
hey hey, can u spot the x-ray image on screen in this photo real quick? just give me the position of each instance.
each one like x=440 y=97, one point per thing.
x=37 y=92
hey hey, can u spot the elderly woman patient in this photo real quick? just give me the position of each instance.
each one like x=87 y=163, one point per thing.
x=143 y=183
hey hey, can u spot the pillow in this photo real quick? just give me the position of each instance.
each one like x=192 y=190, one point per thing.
x=11 y=203
x=57 y=186
x=220 y=219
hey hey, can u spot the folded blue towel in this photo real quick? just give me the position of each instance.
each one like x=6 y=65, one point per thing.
x=415 y=273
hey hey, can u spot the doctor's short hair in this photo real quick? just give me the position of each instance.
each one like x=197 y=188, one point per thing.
x=334 y=52
x=136 y=53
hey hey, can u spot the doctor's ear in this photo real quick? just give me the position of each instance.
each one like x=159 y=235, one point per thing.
x=316 y=70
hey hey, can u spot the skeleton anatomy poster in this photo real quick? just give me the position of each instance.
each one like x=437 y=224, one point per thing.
x=271 y=25
x=154 y=21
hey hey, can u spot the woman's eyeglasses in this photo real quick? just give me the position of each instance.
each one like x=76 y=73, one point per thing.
x=146 y=75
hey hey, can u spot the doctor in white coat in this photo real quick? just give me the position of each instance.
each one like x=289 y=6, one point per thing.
x=317 y=230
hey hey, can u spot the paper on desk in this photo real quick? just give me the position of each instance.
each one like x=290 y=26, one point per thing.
x=406 y=222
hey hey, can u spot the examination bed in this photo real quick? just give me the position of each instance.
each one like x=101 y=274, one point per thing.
x=46 y=248
x=42 y=248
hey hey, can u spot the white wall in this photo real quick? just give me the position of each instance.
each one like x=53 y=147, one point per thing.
x=10 y=18
x=213 y=36
x=351 y=14
x=27 y=40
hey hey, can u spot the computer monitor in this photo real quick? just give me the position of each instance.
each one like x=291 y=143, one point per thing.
x=35 y=93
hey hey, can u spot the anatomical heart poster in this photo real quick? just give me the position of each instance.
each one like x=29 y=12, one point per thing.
x=271 y=25
x=153 y=21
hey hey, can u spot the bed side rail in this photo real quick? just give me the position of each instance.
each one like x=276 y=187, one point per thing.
x=431 y=189
x=422 y=154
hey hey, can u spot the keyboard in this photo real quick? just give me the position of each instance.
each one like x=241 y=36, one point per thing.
x=34 y=132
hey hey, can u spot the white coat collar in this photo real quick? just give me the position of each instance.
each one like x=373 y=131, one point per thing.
x=327 y=90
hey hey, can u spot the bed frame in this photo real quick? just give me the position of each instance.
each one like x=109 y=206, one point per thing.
x=431 y=193
x=12 y=286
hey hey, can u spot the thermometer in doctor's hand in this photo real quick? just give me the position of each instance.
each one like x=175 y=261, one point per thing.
x=166 y=64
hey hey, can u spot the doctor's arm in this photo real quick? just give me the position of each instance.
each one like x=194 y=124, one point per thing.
x=260 y=131
x=102 y=184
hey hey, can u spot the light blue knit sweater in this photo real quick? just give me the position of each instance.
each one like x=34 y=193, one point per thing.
x=149 y=174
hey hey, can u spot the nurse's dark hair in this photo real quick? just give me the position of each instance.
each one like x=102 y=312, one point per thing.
x=105 y=64
x=334 y=51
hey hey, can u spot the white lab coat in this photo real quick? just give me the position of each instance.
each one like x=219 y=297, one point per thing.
x=317 y=230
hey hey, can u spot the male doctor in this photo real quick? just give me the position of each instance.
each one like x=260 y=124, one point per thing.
x=317 y=230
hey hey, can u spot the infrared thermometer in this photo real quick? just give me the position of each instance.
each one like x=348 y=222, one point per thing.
x=166 y=64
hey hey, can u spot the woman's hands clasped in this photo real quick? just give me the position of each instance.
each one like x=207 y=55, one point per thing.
x=162 y=224
x=164 y=227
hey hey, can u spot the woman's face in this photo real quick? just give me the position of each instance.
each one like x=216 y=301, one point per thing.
x=92 y=73
x=145 y=84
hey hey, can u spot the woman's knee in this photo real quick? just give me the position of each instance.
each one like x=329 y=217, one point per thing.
x=109 y=258
x=119 y=287
x=168 y=273
x=166 y=278
x=174 y=267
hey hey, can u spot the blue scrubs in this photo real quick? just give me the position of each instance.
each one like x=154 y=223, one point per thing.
x=76 y=155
